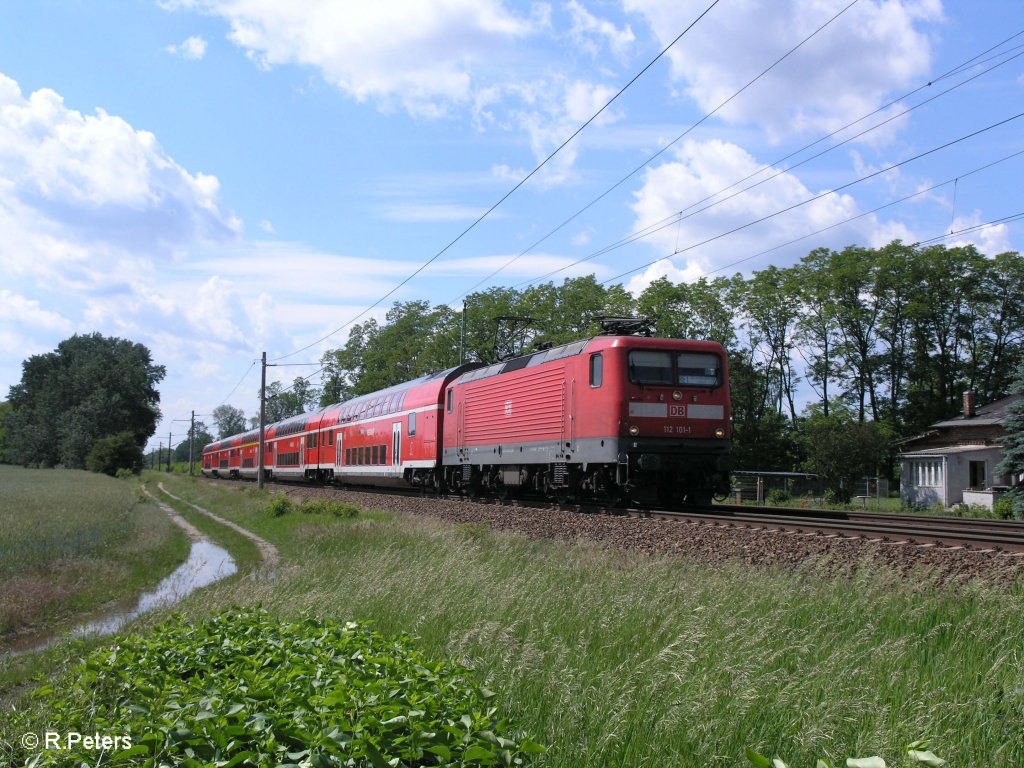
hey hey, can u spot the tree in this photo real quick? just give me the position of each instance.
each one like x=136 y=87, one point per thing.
x=229 y=420
x=114 y=452
x=202 y=438
x=844 y=450
x=89 y=388
x=5 y=408
x=1013 y=456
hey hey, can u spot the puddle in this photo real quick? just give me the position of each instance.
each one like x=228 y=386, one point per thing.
x=206 y=564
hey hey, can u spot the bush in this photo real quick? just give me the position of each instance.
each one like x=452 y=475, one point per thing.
x=114 y=452
x=280 y=506
x=329 y=507
x=245 y=688
x=778 y=496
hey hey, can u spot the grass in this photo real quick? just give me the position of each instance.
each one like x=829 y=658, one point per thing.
x=73 y=541
x=618 y=659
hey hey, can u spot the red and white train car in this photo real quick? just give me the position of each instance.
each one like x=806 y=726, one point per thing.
x=390 y=437
x=609 y=417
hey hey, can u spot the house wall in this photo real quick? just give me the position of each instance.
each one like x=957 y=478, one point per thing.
x=955 y=479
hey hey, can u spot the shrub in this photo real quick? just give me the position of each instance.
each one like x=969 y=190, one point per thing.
x=329 y=507
x=778 y=496
x=114 y=452
x=245 y=688
x=280 y=506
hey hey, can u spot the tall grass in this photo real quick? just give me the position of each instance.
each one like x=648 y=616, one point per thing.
x=619 y=659
x=71 y=541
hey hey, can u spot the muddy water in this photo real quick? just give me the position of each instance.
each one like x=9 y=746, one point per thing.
x=206 y=564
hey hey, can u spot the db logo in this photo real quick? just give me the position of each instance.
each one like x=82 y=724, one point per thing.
x=677 y=410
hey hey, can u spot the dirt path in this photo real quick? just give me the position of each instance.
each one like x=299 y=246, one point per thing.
x=193 y=533
x=268 y=551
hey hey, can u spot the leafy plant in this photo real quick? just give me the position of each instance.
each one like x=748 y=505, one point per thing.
x=280 y=506
x=245 y=688
x=917 y=754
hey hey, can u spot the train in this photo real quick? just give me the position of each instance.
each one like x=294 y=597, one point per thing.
x=613 y=418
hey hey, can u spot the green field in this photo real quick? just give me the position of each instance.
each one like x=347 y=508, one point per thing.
x=619 y=659
x=73 y=541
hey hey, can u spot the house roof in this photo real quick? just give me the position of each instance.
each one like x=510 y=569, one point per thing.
x=994 y=415
x=948 y=450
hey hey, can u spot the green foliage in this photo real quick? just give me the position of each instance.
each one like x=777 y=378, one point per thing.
x=844 y=451
x=114 y=453
x=328 y=507
x=245 y=688
x=279 y=506
x=90 y=387
x=777 y=496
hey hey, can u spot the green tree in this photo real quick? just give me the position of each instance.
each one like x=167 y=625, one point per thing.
x=90 y=387
x=114 y=452
x=229 y=420
x=1013 y=457
x=202 y=438
x=5 y=408
x=844 y=450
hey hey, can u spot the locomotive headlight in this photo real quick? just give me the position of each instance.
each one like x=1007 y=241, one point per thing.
x=719 y=432
x=634 y=430
x=677 y=395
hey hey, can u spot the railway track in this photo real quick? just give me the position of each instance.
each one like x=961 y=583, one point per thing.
x=1005 y=536
x=978 y=534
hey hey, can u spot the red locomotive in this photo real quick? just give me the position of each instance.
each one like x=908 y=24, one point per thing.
x=608 y=418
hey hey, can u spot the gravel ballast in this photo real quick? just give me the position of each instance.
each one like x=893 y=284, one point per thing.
x=700 y=542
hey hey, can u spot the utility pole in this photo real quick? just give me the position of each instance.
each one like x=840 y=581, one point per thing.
x=192 y=447
x=170 y=450
x=263 y=421
x=159 y=456
x=462 y=343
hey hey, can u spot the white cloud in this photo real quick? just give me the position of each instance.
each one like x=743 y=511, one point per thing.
x=846 y=71
x=702 y=169
x=588 y=32
x=93 y=179
x=421 y=55
x=192 y=48
x=990 y=240
x=425 y=212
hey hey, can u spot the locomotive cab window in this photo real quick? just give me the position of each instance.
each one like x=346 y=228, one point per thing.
x=650 y=366
x=699 y=369
x=596 y=370
x=451 y=399
x=412 y=424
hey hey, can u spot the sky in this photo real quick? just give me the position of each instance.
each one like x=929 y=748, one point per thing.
x=216 y=179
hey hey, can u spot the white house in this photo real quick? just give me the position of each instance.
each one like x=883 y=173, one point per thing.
x=954 y=461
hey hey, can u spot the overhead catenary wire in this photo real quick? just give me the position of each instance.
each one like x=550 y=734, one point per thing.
x=677 y=217
x=508 y=194
x=814 y=198
x=661 y=151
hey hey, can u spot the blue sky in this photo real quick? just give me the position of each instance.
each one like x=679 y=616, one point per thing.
x=216 y=178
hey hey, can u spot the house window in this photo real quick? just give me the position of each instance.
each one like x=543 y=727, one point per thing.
x=926 y=473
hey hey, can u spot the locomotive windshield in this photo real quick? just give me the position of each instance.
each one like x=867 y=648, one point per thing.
x=684 y=369
x=648 y=366
x=699 y=369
